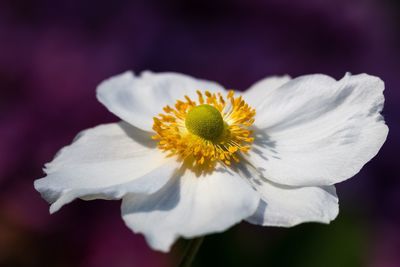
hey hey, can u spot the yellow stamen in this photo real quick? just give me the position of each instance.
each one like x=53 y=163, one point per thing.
x=206 y=132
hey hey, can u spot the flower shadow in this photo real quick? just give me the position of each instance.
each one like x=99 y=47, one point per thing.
x=138 y=135
x=262 y=142
x=165 y=199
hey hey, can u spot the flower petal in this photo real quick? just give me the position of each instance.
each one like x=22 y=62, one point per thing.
x=315 y=131
x=137 y=99
x=106 y=162
x=288 y=206
x=255 y=94
x=190 y=206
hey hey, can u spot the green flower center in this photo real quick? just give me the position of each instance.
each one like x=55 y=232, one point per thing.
x=205 y=121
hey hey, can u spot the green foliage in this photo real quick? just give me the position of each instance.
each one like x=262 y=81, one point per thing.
x=340 y=244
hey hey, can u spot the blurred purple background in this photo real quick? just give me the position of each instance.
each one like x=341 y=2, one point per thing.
x=54 y=53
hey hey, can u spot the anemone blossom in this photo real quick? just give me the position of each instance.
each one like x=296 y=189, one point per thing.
x=190 y=158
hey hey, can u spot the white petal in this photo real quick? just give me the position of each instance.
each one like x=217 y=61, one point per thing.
x=255 y=94
x=316 y=131
x=288 y=206
x=190 y=206
x=137 y=99
x=107 y=162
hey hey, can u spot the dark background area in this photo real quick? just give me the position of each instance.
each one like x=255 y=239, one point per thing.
x=54 y=53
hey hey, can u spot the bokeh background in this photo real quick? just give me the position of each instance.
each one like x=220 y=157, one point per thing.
x=54 y=53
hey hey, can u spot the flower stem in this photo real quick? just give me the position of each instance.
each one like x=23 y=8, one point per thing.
x=191 y=251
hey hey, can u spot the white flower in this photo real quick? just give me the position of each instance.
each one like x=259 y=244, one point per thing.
x=189 y=158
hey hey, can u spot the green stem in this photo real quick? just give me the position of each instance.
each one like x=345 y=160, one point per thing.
x=191 y=251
